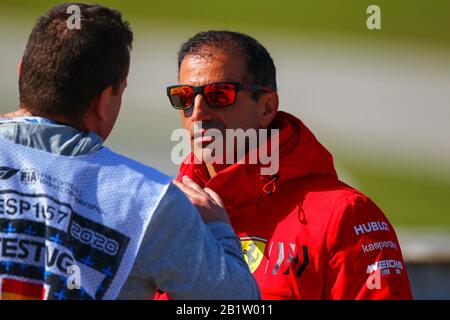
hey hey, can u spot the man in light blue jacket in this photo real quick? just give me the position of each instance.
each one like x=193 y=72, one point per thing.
x=78 y=221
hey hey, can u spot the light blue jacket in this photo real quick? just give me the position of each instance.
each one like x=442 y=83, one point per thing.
x=178 y=251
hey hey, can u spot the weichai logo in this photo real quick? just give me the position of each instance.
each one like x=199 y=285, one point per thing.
x=7 y=172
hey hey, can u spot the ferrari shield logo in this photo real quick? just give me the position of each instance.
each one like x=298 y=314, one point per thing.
x=253 y=250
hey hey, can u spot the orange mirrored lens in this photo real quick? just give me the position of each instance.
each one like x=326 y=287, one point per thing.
x=220 y=95
x=182 y=96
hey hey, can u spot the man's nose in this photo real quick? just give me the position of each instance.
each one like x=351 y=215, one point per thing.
x=202 y=111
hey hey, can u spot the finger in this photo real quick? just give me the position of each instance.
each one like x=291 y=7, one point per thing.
x=191 y=184
x=189 y=192
x=215 y=196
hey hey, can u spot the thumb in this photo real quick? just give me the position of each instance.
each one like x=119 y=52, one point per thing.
x=215 y=196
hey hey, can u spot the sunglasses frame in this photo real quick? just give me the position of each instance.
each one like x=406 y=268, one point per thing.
x=200 y=90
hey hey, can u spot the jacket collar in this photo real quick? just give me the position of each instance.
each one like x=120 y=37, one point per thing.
x=50 y=136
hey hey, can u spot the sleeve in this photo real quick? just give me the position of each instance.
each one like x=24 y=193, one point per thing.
x=366 y=259
x=190 y=260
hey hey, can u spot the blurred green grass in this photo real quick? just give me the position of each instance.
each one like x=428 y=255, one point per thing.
x=403 y=21
x=407 y=195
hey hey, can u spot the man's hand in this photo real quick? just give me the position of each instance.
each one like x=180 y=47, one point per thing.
x=207 y=202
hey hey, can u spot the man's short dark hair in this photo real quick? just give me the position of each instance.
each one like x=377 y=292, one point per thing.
x=260 y=67
x=64 y=70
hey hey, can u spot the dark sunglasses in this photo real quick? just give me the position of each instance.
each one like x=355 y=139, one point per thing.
x=217 y=94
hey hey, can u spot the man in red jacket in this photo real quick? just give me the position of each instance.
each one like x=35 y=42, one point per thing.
x=304 y=233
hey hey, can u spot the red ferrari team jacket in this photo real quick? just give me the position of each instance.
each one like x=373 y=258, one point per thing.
x=304 y=233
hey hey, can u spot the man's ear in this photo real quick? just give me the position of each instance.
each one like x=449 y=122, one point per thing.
x=101 y=104
x=19 y=67
x=269 y=107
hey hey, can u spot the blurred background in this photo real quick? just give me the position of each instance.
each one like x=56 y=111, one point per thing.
x=379 y=100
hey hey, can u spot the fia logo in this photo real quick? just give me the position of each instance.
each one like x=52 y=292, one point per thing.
x=29 y=176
